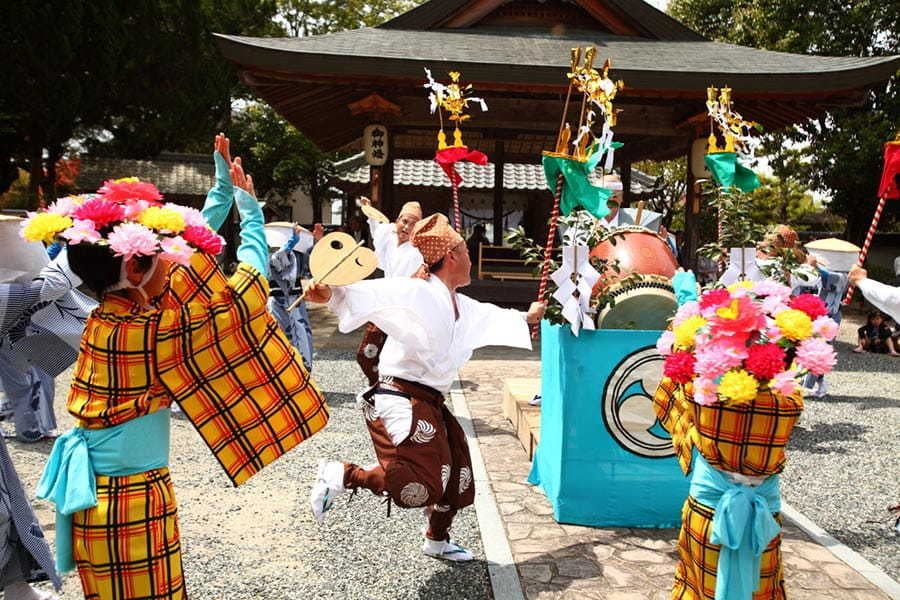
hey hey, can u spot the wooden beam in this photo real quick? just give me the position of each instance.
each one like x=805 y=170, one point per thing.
x=691 y=238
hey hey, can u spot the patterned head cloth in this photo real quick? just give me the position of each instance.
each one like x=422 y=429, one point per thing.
x=434 y=238
x=783 y=236
x=411 y=208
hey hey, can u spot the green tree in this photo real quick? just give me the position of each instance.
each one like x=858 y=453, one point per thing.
x=668 y=197
x=314 y=17
x=129 y=78
x=780 y=200
x=844 y=146
x=281 y=159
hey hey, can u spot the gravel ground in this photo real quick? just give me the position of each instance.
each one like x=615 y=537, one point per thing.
x=260 y=541
x=843 y=470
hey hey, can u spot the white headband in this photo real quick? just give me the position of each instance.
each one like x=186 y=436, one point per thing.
x=613 y=185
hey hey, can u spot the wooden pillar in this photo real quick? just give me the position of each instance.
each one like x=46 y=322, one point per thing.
x=499 y=162
x=691 y=240
x=627 y=196
x=387 y=181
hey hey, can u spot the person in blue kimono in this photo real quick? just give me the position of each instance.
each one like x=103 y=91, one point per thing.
x=287 y=266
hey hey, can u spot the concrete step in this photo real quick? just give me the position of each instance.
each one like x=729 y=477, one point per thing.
x=525 y=418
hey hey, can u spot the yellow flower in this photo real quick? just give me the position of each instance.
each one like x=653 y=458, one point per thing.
x=740 y=284
x=45 y=226
x=126 y=180
x=738 y=386
x=794 y=324
x=162 y=219
x=686 y=331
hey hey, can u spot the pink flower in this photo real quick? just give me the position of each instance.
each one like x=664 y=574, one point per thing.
x=134 y=209
x=816 y=355
x=770 y=288
x=65 y=206
x=82 y=231
x=205 y=239
x=772 y=305
x=132 y=239
x=784 y=383
x=739 y=319
x=664 y=343
x=687 y=310
x=826 y=327
x=810 y=304
x=192 y=216
x=177 y=250
x=679 y=366
x=773 y=334
x=100 y=211
x=129 y=189
x=714 y=298
x=705 y=391
x=715 y=358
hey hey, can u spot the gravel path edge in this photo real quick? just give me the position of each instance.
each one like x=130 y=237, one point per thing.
x=502 y=569
x=852 y=558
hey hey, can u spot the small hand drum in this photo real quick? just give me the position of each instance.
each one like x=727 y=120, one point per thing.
x=337 y=259
x=649 y=303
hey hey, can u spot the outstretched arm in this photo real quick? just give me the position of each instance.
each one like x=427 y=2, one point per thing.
x=253 y=249
x=219 y=198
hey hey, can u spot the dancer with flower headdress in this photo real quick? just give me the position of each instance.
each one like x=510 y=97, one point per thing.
x=730 y=391
x=170 y=328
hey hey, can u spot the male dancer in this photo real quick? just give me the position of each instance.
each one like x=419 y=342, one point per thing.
x=397 y=257
x=423 y=458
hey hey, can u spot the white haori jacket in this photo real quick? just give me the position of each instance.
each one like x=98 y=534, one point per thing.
x=883 y=297
x=394 y=258
x=425 y=343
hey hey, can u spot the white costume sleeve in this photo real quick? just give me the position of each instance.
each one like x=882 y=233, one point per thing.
x=382 y=241
x=489 y=325
x=399 y=307
x=884 y=297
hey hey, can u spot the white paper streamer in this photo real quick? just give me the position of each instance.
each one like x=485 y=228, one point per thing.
x=575 y=275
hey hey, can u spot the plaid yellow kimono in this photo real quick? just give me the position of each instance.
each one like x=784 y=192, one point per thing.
x=213 y=348
x=747 y=439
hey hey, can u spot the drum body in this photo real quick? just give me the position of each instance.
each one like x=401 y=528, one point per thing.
x=649 y=302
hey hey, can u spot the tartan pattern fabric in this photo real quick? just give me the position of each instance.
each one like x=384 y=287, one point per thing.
x=695 y=574
x=749 y=439
x=226 y=361
x=746 y=438
x=128 y=545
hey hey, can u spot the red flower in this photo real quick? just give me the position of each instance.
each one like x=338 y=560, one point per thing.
x=128 y=190
x=715 y=297
x=101 y=212
x=811 y=304
x=204 y=239
x=765 y=360
x=679 y=366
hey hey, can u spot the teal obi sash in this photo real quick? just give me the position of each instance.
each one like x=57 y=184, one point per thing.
x=78 y=456
x=743 y=524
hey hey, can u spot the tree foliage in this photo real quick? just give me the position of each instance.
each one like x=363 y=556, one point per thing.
x=314 y=17
x=281 y=159
x=124 y=78
x=844 y=147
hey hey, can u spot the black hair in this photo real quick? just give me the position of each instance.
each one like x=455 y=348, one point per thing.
x=98 y=266
x=437 y=266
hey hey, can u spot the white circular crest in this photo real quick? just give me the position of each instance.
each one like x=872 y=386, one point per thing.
x=370 y=350
x=627 y=405
x=424 y=433
x=445 y=476
x=413 y=494
x=465 y=479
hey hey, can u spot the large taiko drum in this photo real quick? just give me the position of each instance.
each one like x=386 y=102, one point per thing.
x=648 y=301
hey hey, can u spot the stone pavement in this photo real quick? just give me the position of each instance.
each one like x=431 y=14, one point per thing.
x=573 y=562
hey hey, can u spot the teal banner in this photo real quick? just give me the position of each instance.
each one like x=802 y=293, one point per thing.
x=578 y=191
x=603 y=457
x=728 y=172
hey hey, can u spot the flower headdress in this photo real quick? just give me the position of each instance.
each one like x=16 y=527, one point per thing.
x=734 y=341
x=129 y=216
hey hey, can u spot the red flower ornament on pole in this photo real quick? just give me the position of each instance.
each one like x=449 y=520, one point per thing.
x=454 y=99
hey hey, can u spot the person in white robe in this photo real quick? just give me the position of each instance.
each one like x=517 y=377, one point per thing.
x=397 y=257
x=423 y=459
x=884 y=297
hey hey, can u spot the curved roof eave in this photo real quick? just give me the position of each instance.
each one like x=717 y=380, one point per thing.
x=539 y=60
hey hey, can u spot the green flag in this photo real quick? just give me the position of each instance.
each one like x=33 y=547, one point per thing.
x=578 y=190
x=729 y=172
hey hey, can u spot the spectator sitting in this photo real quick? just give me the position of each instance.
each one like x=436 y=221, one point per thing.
x=478 y=238
x=875 y=336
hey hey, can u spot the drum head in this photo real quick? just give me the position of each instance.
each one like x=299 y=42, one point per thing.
x=645 y=307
